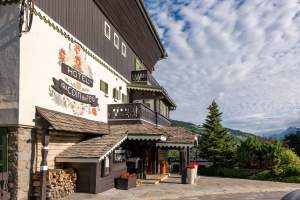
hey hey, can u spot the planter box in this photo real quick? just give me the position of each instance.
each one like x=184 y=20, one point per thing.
x=125 y=184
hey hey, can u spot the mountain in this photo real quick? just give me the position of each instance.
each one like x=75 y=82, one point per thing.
x=281 y=135
x=198 y=129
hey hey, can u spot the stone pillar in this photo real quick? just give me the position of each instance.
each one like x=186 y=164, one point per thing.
x=20 y=162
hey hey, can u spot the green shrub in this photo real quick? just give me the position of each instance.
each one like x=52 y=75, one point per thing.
x=287 y=156
x=228 y=172
x=291 y=179
x=256 y=153
x=263 y=175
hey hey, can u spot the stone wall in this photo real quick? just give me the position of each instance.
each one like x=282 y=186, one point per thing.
x=21 y=153
x=24 y=157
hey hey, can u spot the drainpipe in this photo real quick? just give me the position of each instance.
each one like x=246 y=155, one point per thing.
x=44 y=165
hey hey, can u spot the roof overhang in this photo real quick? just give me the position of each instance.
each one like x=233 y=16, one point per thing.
x=64 y=122
x=132 y=21
x=153 y=88
x=147 y=137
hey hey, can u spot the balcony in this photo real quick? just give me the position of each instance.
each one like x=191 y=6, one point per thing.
x=135 y=113
x=143 y=77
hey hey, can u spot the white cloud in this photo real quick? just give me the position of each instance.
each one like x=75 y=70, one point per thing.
x=243 y=53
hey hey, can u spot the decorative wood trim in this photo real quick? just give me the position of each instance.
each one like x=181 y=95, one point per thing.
x=77 y=160
x=171 y=145
x=147 y=137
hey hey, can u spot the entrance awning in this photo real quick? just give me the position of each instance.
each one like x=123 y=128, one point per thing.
x=64 y=122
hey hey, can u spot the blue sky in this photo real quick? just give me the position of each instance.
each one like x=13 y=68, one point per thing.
x=243 y=53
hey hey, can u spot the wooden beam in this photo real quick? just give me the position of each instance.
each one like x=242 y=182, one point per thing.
x=188 y=155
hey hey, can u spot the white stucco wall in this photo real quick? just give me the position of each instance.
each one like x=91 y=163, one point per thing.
x=39 y=63
x=9 y=64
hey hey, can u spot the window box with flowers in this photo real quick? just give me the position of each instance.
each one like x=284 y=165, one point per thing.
x=126 y=181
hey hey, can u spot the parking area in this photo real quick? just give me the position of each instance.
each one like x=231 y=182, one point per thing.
x=208 y=188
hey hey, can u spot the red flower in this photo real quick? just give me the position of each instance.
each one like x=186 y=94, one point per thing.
x=62 y=55
x=77 y=48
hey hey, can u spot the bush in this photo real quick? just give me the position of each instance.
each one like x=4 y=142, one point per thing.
x=228 y=172
x=291 y=179
x=255 y=153
x=263 y=175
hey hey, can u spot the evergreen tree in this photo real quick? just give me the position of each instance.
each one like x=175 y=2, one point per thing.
x=216 y=145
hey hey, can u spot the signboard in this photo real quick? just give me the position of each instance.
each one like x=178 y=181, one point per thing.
x=72 y=89
x=63 y=88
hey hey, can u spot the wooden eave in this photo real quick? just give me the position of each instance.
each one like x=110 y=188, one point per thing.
x=153 y=88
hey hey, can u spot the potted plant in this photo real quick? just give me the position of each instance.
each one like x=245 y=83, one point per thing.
x=126 y=181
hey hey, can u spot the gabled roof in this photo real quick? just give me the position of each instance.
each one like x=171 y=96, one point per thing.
x=64 y=122
x=95 y=148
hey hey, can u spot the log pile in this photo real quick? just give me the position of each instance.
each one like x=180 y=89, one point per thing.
x=60 y=183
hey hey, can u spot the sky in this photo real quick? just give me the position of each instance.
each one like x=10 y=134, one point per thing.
x=245 y=54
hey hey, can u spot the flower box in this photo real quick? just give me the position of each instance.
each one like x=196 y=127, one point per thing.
x=126 y=181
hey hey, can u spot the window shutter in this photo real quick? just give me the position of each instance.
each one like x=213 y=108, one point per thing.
x=114 y=93
x=106 y=88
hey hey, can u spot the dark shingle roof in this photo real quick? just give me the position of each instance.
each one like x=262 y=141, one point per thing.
x=96 y=147
x=137 y=129
x=63 y=122
x=178 y=135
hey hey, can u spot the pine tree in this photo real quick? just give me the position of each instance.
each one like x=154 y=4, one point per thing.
x=216 y=145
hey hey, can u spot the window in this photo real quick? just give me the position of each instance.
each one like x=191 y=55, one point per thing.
x=107 y=30
x=105 y=167
x=123 y=49
x=138 y=65
x=3 y=150
x=124 y=98
x=116 y=40
x=115 y=93
x=104 y=87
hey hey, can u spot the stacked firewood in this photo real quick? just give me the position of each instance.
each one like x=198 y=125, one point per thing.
x=60 y=183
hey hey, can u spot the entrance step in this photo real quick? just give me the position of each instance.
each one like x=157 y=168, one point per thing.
x=153 y=179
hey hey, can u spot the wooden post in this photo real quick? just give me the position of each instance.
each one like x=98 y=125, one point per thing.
x=144 y=162
x=157 y=160
x=154 y=159
x=183 y=165
x=44 y=165
x=188 y=155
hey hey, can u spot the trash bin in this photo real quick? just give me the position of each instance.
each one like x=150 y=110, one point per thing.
x=191 y=174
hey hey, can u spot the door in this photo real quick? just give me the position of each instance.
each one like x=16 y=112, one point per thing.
x=3 y=165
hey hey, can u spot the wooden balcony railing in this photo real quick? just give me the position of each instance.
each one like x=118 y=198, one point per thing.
x=135 y=112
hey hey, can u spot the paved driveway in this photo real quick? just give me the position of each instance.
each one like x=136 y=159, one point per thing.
x=207 y=188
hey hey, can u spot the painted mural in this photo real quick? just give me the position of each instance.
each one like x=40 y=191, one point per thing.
x=73 y=89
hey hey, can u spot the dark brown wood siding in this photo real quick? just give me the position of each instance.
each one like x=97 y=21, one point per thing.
x=84 y=20
x=129 y=18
